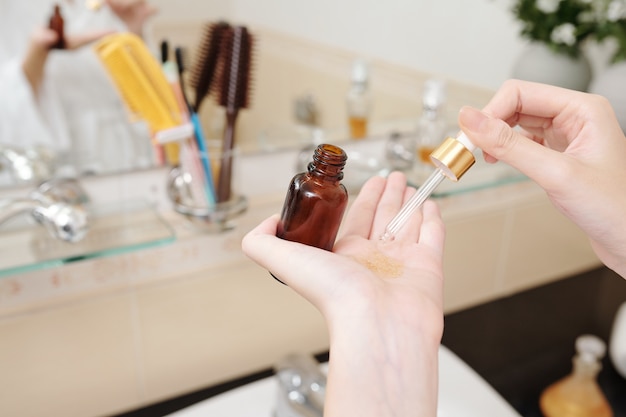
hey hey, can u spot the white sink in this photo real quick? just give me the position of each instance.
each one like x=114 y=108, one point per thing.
x=462 y=393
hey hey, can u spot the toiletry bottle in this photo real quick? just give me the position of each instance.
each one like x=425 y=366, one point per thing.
x=359 y=100
x=431 y=126
x=578 y=394
x=617 y=344
x=56 y=23
x=316 y=200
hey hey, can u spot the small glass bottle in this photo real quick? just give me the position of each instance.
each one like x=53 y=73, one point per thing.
x=316 y=200
x=57 y=24
x=578 y=394
x=359 y=100
x=431 y=126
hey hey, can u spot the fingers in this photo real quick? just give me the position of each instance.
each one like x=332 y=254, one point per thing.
x=361 y=215
x=517 y=98
x=410 y=232
x=390 y=203
x=498 y=139
x=377 y=204
x=432 y=230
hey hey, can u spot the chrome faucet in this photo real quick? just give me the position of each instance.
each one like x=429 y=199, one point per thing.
x=400 y=151
x=57 y=204
x=28 y=164
x=301 y=387
x=305 y=110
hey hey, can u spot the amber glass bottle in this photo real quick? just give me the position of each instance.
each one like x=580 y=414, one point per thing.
x=316 y=200
x=359 y=100
x=57 y=24
x=578 y=394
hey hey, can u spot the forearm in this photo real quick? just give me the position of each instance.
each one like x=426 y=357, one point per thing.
x=34 y=62
x=34 y=66
x=383 y=373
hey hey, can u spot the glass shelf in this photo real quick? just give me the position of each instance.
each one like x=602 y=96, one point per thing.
x=114 y=229
x=367 y=157
x=479 y=177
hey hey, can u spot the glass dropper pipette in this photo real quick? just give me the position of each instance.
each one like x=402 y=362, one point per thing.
x=451 y=159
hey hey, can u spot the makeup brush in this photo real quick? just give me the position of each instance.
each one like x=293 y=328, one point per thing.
x=233 y=91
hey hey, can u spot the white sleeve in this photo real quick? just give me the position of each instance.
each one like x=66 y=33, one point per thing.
x=21 y=123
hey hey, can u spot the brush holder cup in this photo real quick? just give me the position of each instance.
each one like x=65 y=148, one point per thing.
x=212 y=218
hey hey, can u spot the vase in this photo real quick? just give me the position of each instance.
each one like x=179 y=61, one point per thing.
x=539 y=63
x=611 y=83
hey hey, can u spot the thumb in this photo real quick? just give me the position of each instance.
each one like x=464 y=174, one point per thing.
x=303 y=268
x=501 y=142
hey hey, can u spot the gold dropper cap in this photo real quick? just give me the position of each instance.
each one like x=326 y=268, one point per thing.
x=453 y=158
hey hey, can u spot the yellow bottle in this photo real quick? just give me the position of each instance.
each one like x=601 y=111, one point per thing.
x=578 y=394
x=359 y=100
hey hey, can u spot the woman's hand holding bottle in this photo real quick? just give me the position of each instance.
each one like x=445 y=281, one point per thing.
x=382 y=300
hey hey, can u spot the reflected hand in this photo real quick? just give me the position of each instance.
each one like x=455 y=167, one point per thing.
x=382 y=300
x=41 y=41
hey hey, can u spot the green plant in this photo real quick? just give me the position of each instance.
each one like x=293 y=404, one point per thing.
x=611 y=24
x=564 y=25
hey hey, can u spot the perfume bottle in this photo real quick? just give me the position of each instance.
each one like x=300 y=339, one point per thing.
x=578 y=394
x=359 y=100
x=316 y=200
x=57 y=24
x=431 y=126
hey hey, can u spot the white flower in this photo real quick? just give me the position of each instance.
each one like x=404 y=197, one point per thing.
x=565 y=34
x=548 y=6
x=616 y=10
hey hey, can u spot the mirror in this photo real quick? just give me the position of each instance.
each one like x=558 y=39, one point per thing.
x=297 y=58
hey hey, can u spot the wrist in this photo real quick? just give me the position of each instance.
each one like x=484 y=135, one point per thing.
x=383 y=368
x=612 y=259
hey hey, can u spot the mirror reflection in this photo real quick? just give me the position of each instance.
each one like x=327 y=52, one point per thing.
x=65 y=115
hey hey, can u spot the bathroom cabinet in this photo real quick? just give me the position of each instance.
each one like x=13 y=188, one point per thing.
x=524 y=342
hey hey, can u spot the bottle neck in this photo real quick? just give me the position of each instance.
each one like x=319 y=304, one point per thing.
x=432 y=112
x=586 y=368
x=328 y=162
x=359 y=87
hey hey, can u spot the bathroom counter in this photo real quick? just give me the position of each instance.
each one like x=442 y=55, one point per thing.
x=174 y=319
x=517 y=349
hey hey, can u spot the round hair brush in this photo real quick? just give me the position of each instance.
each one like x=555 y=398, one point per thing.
x=233 y=91
x=202 y=73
